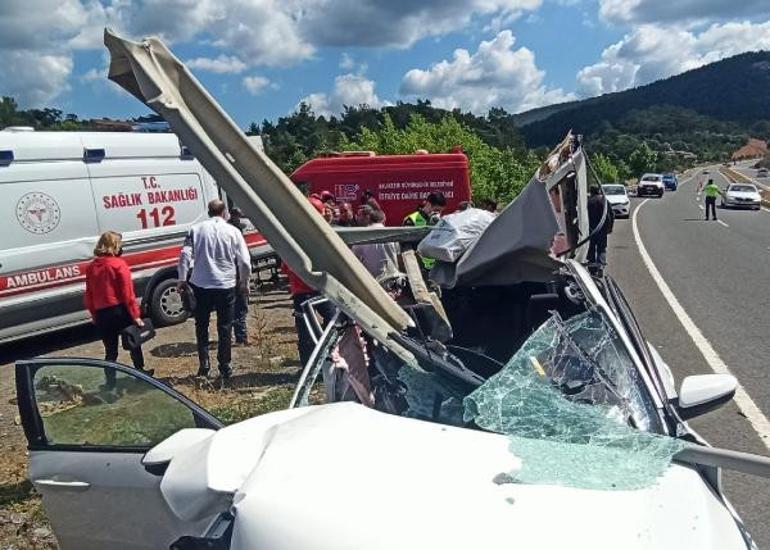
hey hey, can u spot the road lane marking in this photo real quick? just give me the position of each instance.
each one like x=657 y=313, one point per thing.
x=700 y=206
x=754 y=414
x=723 y=224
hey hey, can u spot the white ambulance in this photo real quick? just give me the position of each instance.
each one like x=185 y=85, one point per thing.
x=60 y=190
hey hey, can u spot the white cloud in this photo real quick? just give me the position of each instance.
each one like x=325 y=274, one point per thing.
x=652 y=52
x=347 y=62
x=33 y=78
x=255 y=84
x=349 y=90
x=94 y=75
x=33 y=45
x=247 y=32
x=668 y=11
x=396 y=23
x=496 y=75
x=221 y=64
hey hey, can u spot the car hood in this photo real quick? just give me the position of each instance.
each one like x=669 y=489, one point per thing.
x=617 y=199
x=345 y=476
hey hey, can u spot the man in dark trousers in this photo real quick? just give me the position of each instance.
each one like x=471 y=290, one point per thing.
x=597 y=204
x=300 y=293
x=220 y=261
x=242 y=292
x=711 y=190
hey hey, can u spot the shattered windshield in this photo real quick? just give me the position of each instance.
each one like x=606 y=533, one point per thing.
x=570 y=400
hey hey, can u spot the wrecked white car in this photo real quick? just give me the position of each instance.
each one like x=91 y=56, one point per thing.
x=520 y=408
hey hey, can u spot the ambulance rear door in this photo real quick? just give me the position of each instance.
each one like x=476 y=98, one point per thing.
x=47 y=238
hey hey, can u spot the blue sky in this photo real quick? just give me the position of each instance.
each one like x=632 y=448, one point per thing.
x=260 y=58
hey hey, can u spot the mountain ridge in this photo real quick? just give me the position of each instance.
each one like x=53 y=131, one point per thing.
x=733 y=90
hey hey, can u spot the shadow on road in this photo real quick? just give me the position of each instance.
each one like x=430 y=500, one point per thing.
x=238 y=380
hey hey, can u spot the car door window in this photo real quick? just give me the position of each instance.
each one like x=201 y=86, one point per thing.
x=79 y=406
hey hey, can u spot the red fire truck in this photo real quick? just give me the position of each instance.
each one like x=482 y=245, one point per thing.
x=398 y=182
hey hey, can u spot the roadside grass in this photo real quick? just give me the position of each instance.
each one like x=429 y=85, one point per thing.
x=270 y=400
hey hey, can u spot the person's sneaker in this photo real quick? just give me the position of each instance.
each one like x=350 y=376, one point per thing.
x=203 y=371
x=226 y=371
x=148 y=372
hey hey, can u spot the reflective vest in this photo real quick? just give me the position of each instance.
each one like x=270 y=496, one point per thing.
x=418 y=220
x=712 y=190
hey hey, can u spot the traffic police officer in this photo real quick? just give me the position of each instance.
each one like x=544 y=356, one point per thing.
x=428 y=214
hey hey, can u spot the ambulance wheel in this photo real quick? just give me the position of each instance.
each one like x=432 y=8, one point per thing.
x=166 y=305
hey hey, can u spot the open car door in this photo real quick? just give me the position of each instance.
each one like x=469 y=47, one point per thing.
x=86 y=444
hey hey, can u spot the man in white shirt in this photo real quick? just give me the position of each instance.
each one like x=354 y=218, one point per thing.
x=219 y=258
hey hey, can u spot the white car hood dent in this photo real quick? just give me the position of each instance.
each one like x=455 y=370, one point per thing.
x=201 y=479
x=343 y=476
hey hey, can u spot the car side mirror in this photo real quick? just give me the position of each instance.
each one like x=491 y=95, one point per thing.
x=703 y=393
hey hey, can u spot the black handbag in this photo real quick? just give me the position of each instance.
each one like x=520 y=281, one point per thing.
x=188 y=299
x=133 y=336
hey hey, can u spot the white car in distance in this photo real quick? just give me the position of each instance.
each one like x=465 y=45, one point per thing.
x=742 y=195
x=618 y=198
x=650 y=185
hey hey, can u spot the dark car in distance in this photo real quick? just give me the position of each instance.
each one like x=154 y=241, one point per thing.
x=670 y=181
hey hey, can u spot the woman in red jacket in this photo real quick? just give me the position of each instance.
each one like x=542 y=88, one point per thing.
x=111 y=300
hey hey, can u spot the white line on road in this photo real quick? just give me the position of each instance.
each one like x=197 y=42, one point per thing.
x=699 y=206
x=723 y=224
x=755 y=416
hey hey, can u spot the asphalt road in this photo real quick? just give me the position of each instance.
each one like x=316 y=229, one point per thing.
x=720 y=274
x=745 y=168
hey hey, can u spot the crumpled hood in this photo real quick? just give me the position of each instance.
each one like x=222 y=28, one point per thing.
x=343 y=476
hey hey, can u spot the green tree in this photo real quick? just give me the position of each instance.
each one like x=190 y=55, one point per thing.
x=607 y=171
x=499 y=174
x=643 y=159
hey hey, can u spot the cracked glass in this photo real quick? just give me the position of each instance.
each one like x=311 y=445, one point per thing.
x=573 y=408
